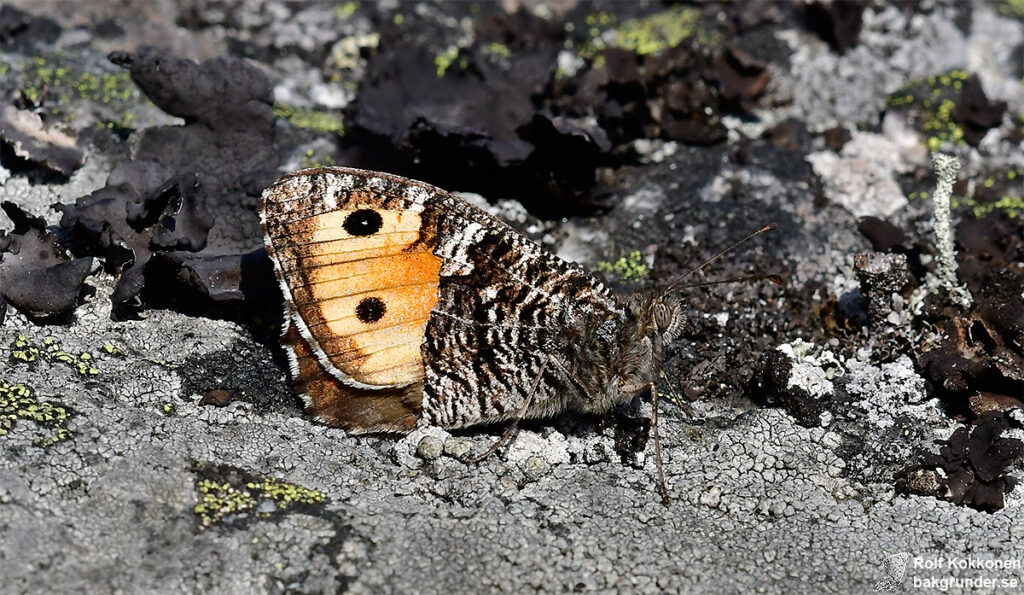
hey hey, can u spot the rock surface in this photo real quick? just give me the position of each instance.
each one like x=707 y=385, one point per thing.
x=839 y=428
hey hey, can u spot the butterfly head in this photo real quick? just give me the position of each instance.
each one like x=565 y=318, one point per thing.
x=654 y=322
x=657 y=320
x=666 y=320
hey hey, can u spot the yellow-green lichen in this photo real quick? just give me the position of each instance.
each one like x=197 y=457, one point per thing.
x=399 y=18
x=220 y=500
x=302 y=117
x=18 y=403
x=629 y=267
x=659 y=31
x=310 y=160
x=24 y=351
x=645 y=36
x=931 y=103
x=347 y=9
x=286 y=494
x=597 y=23
x=899 y=100
x=1011 y=205
x=52 y=80
x=125 y=122
x=238 y=492
x=444 y=60
x=600 y=19
x=1012 y=8
x=498 y=50
x=105 y=88
x=1000 y=184
x=83 y=362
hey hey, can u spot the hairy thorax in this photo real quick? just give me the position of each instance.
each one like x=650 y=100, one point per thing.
x=611 y=361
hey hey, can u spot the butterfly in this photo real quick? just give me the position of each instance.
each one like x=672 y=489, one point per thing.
x=405 y=305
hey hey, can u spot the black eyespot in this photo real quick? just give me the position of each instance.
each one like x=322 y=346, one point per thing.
x=363 y=222
x=371 y=309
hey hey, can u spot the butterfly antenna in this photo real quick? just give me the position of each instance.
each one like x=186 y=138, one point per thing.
x=678 y=284
x=776 y=279
x=657 y=445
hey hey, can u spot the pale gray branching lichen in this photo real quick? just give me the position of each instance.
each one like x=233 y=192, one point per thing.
x=946 y=168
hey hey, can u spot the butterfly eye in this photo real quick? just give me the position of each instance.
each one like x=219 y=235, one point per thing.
x=663 y=317
x=370 y=309
x=668 y=320
x=363 y=222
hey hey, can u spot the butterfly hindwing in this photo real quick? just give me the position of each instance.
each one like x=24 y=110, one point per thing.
x=505 y=306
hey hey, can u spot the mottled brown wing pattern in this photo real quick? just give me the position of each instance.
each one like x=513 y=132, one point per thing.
x=505 y=305
x=471 y=308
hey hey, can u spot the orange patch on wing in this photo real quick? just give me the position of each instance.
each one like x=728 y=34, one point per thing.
x=370 y=274
x=331 y=226
x=403 y=303
x=383 y=356
x=331 y=273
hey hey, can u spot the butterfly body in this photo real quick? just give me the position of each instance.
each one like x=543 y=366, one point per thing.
x=405 y=305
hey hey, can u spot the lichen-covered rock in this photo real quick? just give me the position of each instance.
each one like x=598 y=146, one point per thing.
x=171 y=437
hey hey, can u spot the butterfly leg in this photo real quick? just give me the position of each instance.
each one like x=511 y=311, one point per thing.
x=575 y=379
x=657 y=444
x=519 y=416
